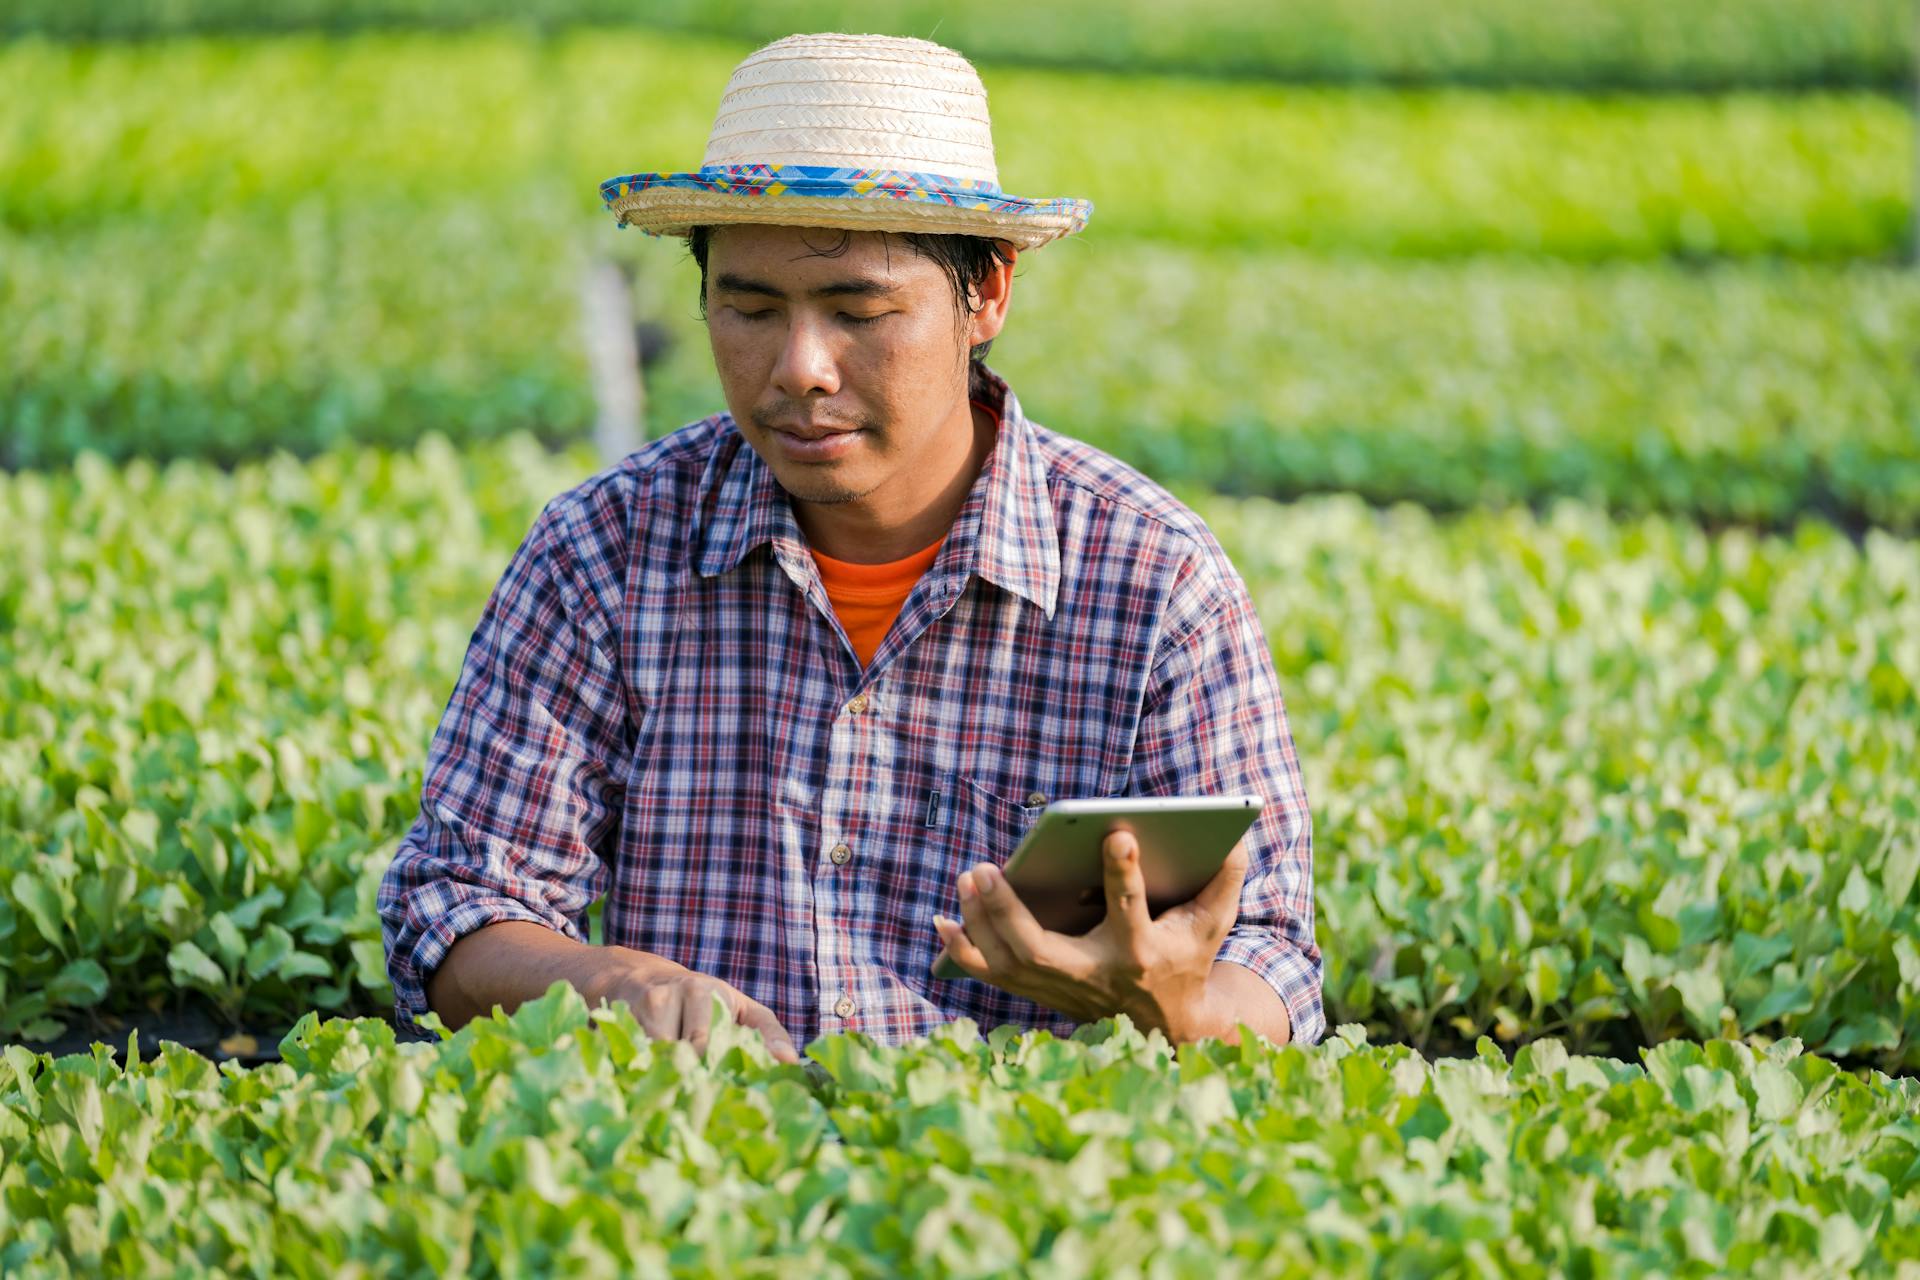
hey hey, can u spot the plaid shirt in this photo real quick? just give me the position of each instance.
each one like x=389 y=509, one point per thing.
x=659 y=700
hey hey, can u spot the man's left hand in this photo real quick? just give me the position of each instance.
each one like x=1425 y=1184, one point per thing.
x=1154 y=971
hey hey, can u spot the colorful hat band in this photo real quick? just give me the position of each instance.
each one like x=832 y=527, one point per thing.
x=826 y=180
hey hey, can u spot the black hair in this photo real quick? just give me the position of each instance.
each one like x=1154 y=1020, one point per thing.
x=967 y=261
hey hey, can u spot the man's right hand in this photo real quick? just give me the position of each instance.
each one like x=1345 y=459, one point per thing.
x=672 y=1002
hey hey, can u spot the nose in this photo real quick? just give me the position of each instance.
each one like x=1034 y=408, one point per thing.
x=806 y=365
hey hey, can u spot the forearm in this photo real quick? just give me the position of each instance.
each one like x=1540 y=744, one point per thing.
x=515 y=961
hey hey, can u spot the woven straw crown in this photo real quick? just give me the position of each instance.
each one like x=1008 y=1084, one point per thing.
x=832 y=100
x=866 y=132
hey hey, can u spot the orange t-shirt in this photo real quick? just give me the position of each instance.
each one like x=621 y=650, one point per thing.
x=868 y=597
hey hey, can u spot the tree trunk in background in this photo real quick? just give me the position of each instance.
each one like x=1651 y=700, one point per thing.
x=607 y=325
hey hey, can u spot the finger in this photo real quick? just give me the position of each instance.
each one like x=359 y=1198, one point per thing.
x=1213 y=910
x=696 y=1015
x=1126 y=885
x=1024 y=937
x=659 y=1011
x=751 y=1013
x=964 y=953
x=980 y=926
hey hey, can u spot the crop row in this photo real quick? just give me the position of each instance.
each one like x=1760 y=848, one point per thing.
x=1731 y=393
x=1617 y=781
x=184 y=129
x=563 y=1141
x=1612 y=781
x=1704 y=44
x=237 y=334
x=1737 y=392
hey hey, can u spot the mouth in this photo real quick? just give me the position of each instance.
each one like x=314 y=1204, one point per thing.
x=806 y=431
x=817 y=444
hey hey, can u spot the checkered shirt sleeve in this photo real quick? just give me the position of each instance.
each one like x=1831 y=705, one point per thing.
x=1213 y=723
x=521 y=802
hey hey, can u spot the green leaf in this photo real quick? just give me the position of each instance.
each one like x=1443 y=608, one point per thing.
x=1776 y=1092
x=1548 y=972
x=294 y=773
x=1788 y=998
x=229 y=943
x=1753 y=953
x=1905 y=954
x=81 y=984
x=1869 y=1031
x=370 y=962
x=1857 y=897
x=304 y=964
x=209 y=852
x=311 y=823
x=1702 y=995
x=541 y=1022
x=194 y=967
x=142 y=830
x=247 y=914
x=1897 y=873
x=268 y=951
x=42 y=905
x=1640 y=965
x=303 y=908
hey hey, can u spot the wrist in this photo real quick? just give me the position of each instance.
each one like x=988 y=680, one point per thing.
x=618 y=971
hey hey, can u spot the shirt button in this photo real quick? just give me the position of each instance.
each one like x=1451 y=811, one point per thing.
x=841 y=852
x=844 y=1006
x=858 y=704
x=1036 y=798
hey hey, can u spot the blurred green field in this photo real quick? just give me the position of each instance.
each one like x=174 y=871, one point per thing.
x=1735 y=392
x=1653 y=44
x=182 y=129
x=1613 y=781
x=218 y=246
x=300 y=328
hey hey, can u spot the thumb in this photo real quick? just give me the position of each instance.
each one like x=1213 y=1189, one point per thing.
x=751 y=1013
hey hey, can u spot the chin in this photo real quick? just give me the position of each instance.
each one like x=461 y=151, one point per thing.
x=819 y=486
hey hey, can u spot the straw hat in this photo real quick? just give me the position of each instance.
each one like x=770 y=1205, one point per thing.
x=868 y=132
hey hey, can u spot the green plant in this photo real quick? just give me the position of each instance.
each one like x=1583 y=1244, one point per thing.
x=563 y=1140
x=1703 y=44
x=179 y=129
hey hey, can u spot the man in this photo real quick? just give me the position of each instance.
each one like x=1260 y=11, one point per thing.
x=789 y=684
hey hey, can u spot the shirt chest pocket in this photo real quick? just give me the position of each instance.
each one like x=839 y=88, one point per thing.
x=978 y=824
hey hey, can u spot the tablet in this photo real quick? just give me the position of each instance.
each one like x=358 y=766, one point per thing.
x=1058 y=869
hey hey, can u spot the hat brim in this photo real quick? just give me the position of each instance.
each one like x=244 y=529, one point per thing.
x=856 y=199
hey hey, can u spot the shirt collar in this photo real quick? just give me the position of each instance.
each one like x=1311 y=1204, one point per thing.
x=1004 y=531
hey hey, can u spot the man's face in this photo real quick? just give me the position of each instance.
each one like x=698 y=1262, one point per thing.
x=866 y=342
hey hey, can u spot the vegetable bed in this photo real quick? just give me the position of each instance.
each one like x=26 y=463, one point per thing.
x=1703 y=44
x=1738 y=392
x=178 y=129
x=564 y=1141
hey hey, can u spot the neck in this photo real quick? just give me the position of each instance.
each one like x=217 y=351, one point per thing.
x=875 y=532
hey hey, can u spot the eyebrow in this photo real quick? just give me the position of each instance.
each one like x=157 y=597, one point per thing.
x=857 y=287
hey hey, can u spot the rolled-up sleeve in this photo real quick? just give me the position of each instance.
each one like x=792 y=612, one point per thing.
x=1212 y=723
x=521 y=799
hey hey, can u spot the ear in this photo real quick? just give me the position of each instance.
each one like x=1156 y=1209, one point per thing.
x=995 y=296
